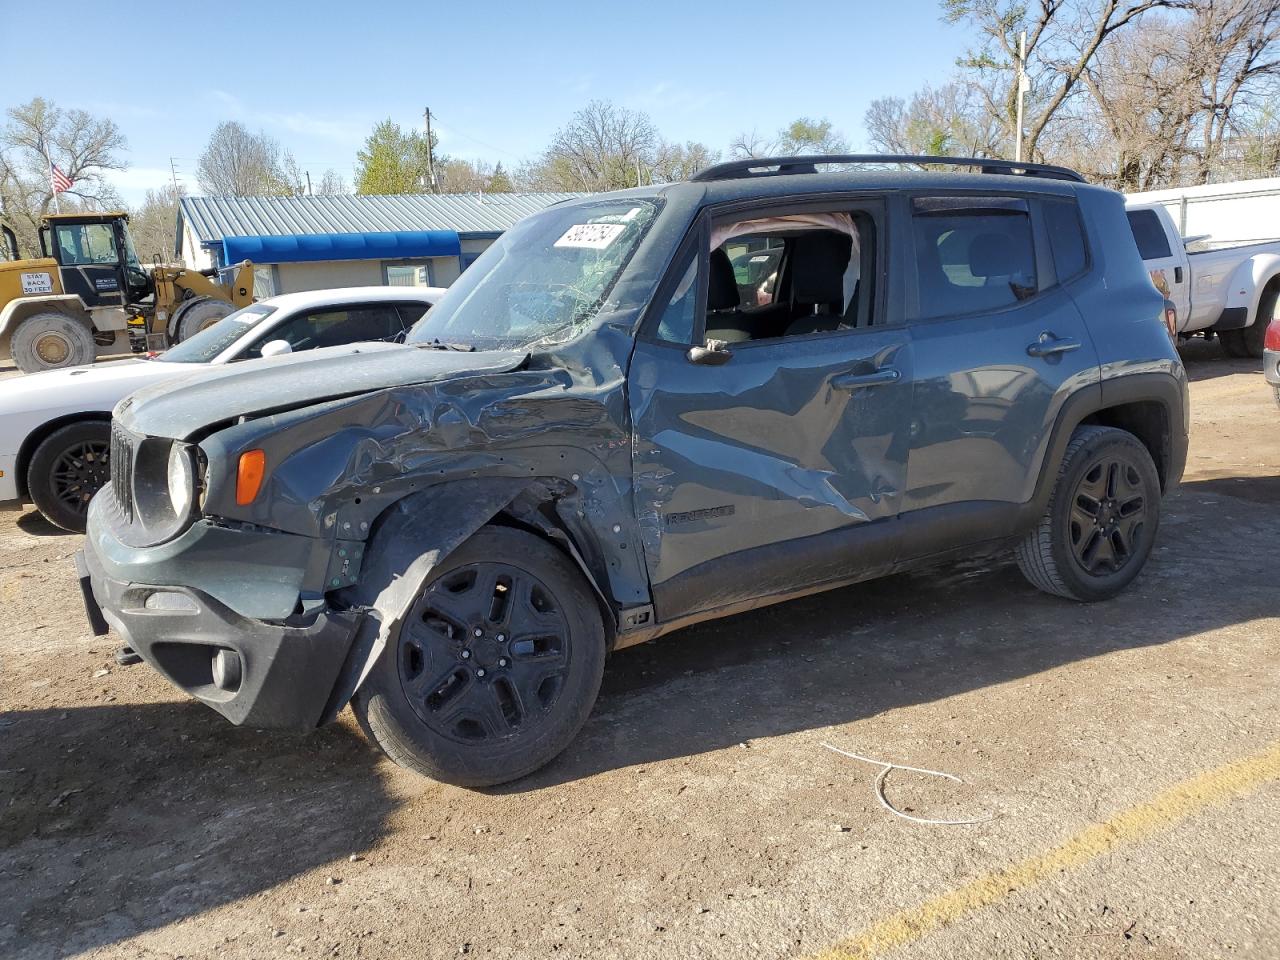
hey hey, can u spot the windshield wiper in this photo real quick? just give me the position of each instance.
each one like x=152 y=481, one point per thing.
x=438 y=345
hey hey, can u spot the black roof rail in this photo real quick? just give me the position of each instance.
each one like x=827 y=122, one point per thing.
x=781 y=166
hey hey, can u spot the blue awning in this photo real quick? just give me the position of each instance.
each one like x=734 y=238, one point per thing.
x=311 y=247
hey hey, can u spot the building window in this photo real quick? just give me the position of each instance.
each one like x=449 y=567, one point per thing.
x=408 y=274
x=266 y=280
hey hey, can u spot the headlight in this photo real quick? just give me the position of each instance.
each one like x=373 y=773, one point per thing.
x=181 y=479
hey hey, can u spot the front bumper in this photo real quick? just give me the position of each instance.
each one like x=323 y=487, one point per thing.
x=268 y=673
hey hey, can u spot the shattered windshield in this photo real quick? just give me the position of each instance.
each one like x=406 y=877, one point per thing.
x=542 y=280
x=204 y=346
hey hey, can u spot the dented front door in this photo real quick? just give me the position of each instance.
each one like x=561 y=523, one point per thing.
x=779 y=469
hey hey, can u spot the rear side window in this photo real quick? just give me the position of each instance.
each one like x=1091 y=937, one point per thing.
x=1150 y=236
x=1066 y=237
x=972 y=254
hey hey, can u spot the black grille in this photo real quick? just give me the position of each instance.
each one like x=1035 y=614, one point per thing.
x=121 y=464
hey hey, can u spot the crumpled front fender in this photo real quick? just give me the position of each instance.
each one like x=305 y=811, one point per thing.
x=407 y=543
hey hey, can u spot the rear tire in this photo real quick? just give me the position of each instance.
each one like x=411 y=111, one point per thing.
x=201 y=315
x=1248 y=342
x=67 y=469
x=1233 y=343
x=1101 y=521
x=48 y=341
x=476 y=711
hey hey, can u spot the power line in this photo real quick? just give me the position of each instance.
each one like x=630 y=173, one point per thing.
x=465 y=136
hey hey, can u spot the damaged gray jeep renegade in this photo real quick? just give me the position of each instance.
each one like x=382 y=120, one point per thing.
x=635 y=411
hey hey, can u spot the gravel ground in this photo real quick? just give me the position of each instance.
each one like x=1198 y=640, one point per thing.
x=697 y=815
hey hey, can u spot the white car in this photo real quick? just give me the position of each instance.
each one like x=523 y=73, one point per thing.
x=55 y=426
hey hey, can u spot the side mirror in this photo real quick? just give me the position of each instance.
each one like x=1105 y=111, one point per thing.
x=274 y=348
x=715 y=353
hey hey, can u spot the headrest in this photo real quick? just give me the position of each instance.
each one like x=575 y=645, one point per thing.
x=722 y=285
x=819 y=260
x=995 y=255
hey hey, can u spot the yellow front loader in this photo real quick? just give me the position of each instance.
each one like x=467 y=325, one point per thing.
x=88 y=295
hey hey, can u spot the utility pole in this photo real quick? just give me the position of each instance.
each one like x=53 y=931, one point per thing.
x=1024 y=84
x=431 y=167
x=308 y=183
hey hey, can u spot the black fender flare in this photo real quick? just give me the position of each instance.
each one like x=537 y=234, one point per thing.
x=1162 y=388
x=407 y=542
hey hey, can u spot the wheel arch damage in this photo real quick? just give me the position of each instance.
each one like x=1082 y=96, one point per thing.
x=411 y=538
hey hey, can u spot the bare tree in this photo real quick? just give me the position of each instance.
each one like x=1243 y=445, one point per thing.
x=802 y=135
x=1239 y=41
x=331 y=184
x=747 y=145
x=1135 y=128
x=85 y=148
x=602 y=147
x=949 y=120
x=237 y=163
x=680 y=161
x=154 y=225
x=1062 y=38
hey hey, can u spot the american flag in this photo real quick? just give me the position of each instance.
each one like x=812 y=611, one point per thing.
x=59 y=180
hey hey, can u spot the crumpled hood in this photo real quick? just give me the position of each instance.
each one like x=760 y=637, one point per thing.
x=181 y=409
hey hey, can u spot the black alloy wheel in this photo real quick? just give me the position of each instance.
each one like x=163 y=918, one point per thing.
x=1100 y=524
x=67 y=469
x=484 y=651
x=494 y=665
x=1108 y=516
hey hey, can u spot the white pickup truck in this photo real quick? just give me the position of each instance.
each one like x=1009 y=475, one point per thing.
x=1230 y=291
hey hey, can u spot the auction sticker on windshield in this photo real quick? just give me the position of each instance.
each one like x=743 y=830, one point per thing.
x=37 y=283
x=591 y=236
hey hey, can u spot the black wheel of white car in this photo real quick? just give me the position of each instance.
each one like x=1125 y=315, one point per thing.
x=1098 y=530
x=46 y=341
x=67 y=469
x=200 y=316
x=494 y=669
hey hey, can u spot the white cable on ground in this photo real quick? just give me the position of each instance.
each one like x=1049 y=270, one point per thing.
x=886 y=766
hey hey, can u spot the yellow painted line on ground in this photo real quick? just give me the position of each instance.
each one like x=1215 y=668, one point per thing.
x=1129 y=826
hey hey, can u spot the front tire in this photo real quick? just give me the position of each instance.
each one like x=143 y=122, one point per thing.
x=67 y=469
x=495 y=667
x=47 y=341
x=1101 y=522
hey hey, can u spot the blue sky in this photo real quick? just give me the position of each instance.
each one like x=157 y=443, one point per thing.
x=500 y=77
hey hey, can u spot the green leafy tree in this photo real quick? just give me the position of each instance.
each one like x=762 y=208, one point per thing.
x=499 y=182
x=395 y=161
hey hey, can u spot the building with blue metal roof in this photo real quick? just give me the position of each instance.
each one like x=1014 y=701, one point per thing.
x=312 y=243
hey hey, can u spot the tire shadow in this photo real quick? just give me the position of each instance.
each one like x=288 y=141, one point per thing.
x=33 y=524
x=852 y=653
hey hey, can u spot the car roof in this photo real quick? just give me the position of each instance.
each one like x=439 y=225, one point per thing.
x=337 y=296
x=847 y=181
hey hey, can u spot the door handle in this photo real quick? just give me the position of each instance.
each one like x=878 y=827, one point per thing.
x=852 y=381
x=1047 y=345
x=1177 y=274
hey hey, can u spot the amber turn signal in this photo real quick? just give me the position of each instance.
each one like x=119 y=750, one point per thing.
x=253 y=466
